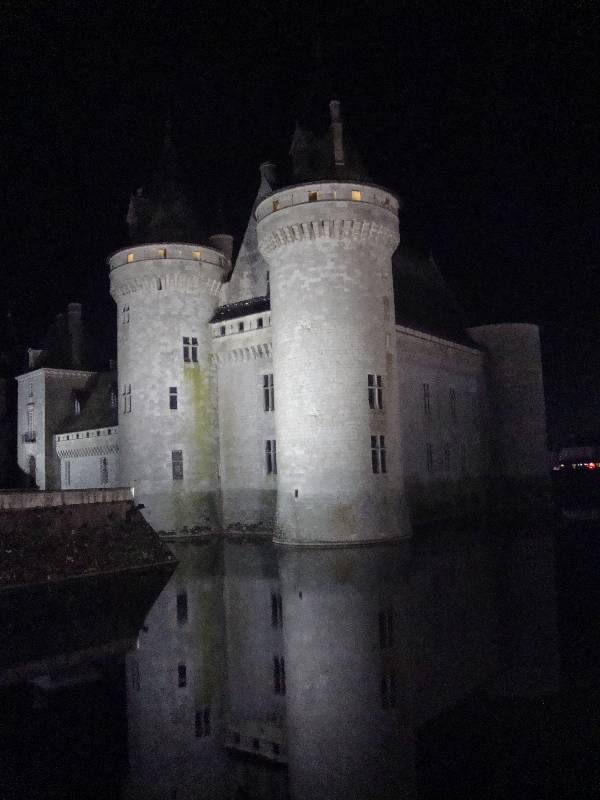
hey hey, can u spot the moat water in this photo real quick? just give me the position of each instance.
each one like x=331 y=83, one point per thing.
x=453 y=667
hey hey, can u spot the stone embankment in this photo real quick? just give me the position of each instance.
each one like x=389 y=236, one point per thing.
x=52 y=536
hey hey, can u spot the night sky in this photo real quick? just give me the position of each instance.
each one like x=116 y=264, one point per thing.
x=482 y=120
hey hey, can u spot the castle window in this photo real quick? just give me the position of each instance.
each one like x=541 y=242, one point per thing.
x=30 y=391
x=177 y=464
x=275 y=205
x=240 y=326
x=259 y=322
x=190 y=351
x=130 y=258
x=113 y=396
x=278 y=675
x=159 y=284
x=312 y=197
x=268 y=392
x=386 y=628
x=202 y=722
x=271 y=456
x=186 y=348
x=67 y=473
x=76 y=405
x=426 y=399
x=446 y=456
x=103 y=471
x=182 y=607
x=197 y=255
x=375 y=389
x=124 y=315
x=162 y=253
x=126 y=394
x=378 y=459
x=453 y=403
x=388 y=690
x=222 y=330
x=268 y=279
x=173 y=398
x=356 y=195
x=276 y=610
x=30 y=412
x=181 y=676
x=429 y=457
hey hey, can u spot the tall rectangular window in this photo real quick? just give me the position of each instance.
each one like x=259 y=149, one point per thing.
x=276 y=610
x=190 y=349
x=181 y=676
x=386 y=628
x=388 y=690
x=378 y=457
x=67 y=473
x=30 y=390
x=279 y=674
x=30 y=419
x=182 y=607
x=375 y=390
x=268 y=278
x=103 y=471
x=429 y=457
x=202 y=721
x=446 y=456
x=426 y=399
x=259 y=322
x=268 y=392
x=271 y=456
x=125 y=315
x=173 y=398
x=453 y=403
x=177 y=464
x=126 y=394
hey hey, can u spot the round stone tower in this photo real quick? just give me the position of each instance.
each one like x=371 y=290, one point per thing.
x=329 y=246
x=166 y=294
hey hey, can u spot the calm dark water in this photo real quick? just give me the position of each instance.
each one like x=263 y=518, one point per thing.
x=457 y=666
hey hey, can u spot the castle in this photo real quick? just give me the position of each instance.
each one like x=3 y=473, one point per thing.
x=322 y=390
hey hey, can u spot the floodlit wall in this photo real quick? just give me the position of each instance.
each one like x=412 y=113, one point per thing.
x=88 y=458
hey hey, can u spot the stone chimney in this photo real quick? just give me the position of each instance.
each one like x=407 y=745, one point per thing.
x=337 y=132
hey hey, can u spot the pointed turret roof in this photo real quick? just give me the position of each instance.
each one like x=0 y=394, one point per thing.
x=162 y=211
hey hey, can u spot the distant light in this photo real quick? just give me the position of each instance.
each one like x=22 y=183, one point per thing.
x=356 y=195
x=130 y=257
x=591 y=465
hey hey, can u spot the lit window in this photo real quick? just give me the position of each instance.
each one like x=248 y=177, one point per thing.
x=182 y=607
x=67 y=473
x=446 y=456
x=202 y=721
x=126 y=394
x=453 y=403
x=130 y=258
x=181 y=676
x=276 y=610
x=312 y=197
x=268 y=392
x=429 y=456
x=375 y=389
x=240 y=326
x=378 y=458
x=177 y=464
x=356 y=195
x=259 y=322
x=162 y=253
x=76 y=406
x=279 y=675
x=386 y=629
x=197 y=255
x=222 y=330
x=275 y=205
x=271 y=456
x=388 y=690
x=173 y=398
x=103 y=471
x=426 y=399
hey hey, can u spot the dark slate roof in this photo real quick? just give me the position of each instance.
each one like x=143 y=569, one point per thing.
x=233 y=310
x=96 y=411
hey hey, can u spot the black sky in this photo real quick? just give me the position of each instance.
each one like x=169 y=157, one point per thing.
x=481 y=117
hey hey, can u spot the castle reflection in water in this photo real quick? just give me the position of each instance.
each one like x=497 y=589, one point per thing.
x=266 y=672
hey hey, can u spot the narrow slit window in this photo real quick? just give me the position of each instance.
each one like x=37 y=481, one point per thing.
x=259 y=322
x=386 y=628
x=159 y=284
x=186 y=348
x=177 y=464
x=240 y=326
x=181 y=676
x=202 y=722
x=271 y=456
x=126 y=394
x=173 y=398
x=103 y=471
x=378 y=454
x=429 y=456
x=222 y=330
x=276 y=610
x=426 y=399
x=194 y=350
x=125 y=315
x=67 y=472
x=279 y=675
x=182 y=607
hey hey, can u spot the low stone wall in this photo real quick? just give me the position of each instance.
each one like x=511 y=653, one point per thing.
x=16 y=501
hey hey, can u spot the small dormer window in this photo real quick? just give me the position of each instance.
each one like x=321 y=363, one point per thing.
x=197 y=255
x=130 y=258
x=162 y=253
x=76 y=405
x=312 y=197
x=356 y=195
